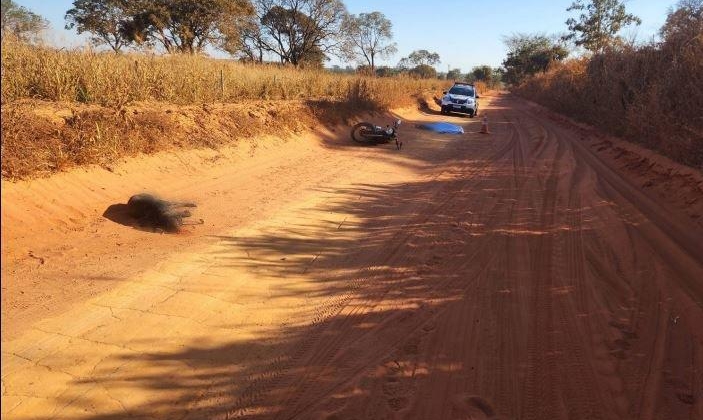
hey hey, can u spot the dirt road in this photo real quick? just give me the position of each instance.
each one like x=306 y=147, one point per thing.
x=509 y=276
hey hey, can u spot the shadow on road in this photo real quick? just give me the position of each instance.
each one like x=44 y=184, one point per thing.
x=455 y=259
x=119 y=213
x=414 y=252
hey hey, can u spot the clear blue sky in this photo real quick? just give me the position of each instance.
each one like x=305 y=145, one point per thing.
x=464 y=33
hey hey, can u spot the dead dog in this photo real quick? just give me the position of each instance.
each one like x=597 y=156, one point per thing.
x=153 y=212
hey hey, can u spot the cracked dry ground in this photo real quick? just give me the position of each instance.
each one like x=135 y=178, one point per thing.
x=510 y=276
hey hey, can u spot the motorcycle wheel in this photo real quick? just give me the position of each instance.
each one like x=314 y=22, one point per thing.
x=363 y=133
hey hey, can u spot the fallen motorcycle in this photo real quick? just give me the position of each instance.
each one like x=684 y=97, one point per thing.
x=367 y=133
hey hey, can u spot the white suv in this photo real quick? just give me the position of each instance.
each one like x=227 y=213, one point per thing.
x=462 y=97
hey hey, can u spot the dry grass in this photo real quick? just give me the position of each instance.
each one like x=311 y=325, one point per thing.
x=651 y=95
x=62 y=109
x=108 y=79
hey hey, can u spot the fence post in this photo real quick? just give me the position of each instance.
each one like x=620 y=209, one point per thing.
x=222 y=85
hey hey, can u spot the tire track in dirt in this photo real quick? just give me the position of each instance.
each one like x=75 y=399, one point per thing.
x=445 y=206
x=575 y=268
x=516 y=151
x=391 y=257
x=568 y=371
x=516 y=277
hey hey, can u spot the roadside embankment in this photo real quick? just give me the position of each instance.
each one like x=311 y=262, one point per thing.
x=650 y=95
x=63 y=109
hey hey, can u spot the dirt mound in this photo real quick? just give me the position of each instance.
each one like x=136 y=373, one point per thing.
x=429 y=102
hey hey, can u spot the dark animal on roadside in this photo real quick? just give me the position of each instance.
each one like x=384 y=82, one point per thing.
x=153 y=212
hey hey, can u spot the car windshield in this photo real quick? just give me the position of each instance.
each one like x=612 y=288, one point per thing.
x=462 y=90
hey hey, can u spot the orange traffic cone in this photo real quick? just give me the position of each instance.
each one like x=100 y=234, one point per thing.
x=484 y=126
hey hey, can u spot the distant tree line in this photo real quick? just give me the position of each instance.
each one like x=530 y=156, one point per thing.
x=309 y=32
x=491 y=76
x=297 y=32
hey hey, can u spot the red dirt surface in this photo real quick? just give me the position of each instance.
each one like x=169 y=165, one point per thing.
x=531 y=273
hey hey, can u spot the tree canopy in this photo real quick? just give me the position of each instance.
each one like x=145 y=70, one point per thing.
x=20 y=22
x=454 y=74
x=183 y=26
x=483 y=73
x=423 y=57
x=492 y=77
x=101 y=18
x=424 y=71
x=368 y=35
x=297 y=31
x=419 y=64
x=684 y=23
x=599 y=23
x=530 y=54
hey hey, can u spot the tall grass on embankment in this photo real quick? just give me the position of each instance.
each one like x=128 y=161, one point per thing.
x=110 y=79
x=651 y=95
x=63 y=108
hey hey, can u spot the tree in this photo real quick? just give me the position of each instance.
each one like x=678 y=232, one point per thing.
x=364 y=69
x=530 y=54
x=423 y=57
x=185 y=26
x=312 y=58
x=599 y=23
x=454 y=74
x=242 y=38
x=483 y=73
x=492 y=77
x=385 y=71
x=287 y=28
x=403 y=64
x=102 y=18
x=424 y=71
x=419 y=63
x=297 y=31
x=368 y=35
x=20 y=22
x=498 y=76
x=684 y=23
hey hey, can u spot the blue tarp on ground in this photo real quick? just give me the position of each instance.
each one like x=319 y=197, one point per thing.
x=442 y=127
